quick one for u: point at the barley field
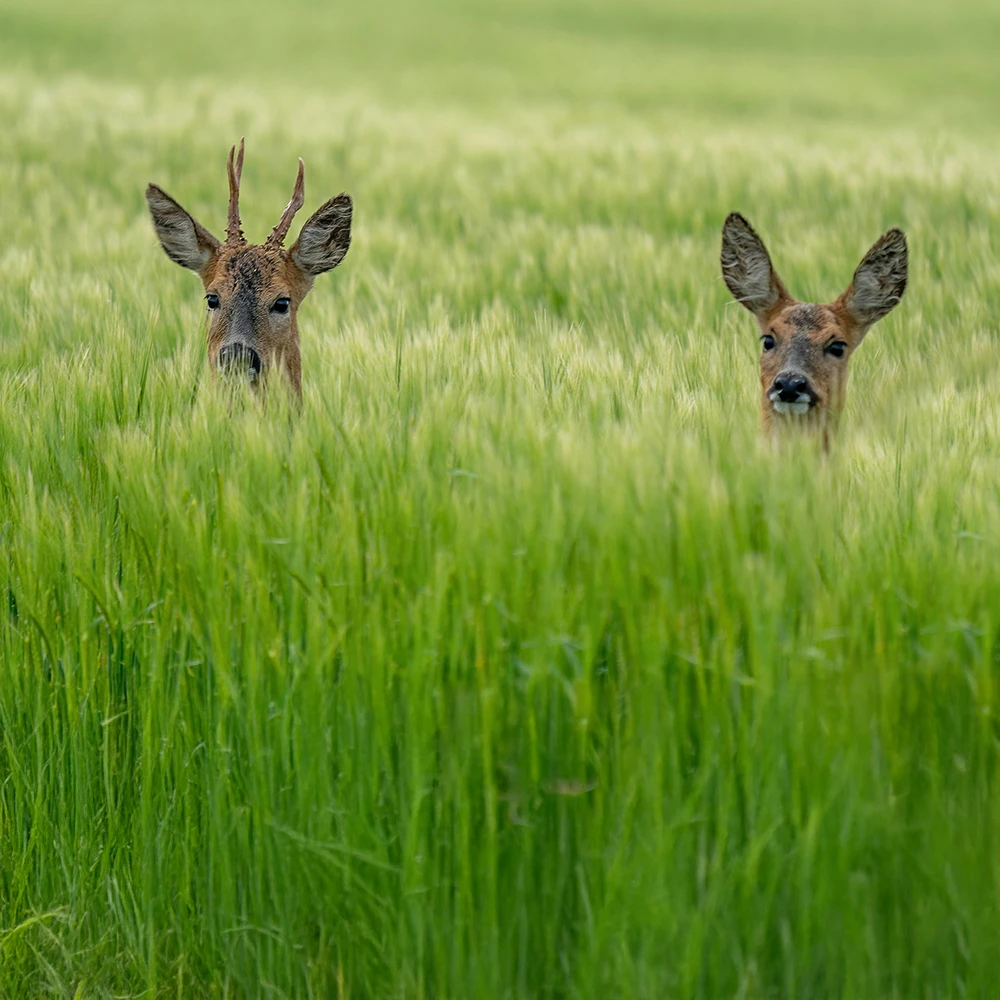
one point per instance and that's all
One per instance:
(514, 665)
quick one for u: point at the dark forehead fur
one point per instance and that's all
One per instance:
(805, 316)
(251, 268)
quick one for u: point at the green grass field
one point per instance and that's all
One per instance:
(515, 665)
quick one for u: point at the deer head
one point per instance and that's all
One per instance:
(253, 292)
(805, 348)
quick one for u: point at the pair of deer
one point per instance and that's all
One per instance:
(254, 292)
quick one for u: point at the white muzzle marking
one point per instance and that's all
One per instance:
(799, 407)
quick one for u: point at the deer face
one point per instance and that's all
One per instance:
(253, 292)
(805, 348)
(252, 297)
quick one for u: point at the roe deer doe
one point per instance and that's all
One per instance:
(254, 291)
(806, 347)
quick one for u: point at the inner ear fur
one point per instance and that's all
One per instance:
(325, 238)
(747, 268)
(184, 240)
(879, 282)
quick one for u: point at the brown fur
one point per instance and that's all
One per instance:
(248, 280)
(806, 337)
(251, 280)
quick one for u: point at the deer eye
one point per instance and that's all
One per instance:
(281, 305)
(768, 341)
(837, 349)
(213, 300)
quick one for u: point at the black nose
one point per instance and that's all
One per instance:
(239, 359)
(789, 386)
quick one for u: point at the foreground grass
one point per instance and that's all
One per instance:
(514, 665)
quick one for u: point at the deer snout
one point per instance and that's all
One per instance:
(788, 386)
(791, 393)
(240, 359)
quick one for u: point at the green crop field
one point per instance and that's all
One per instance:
(514, 665)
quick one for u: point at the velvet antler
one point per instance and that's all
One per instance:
(234, 231)
(280, 231)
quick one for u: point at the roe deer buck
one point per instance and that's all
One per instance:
(806, 347)
(254, 291)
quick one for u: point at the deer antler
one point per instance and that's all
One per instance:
(234, 231)
(280, 231)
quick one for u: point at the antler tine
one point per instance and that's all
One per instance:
(280, 231)
(234, 231)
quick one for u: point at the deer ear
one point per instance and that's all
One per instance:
(325, 237)
(879, 281)
(747, 268)
(184, 240)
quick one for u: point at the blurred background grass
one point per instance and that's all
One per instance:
(891, 61)
(514, 666)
